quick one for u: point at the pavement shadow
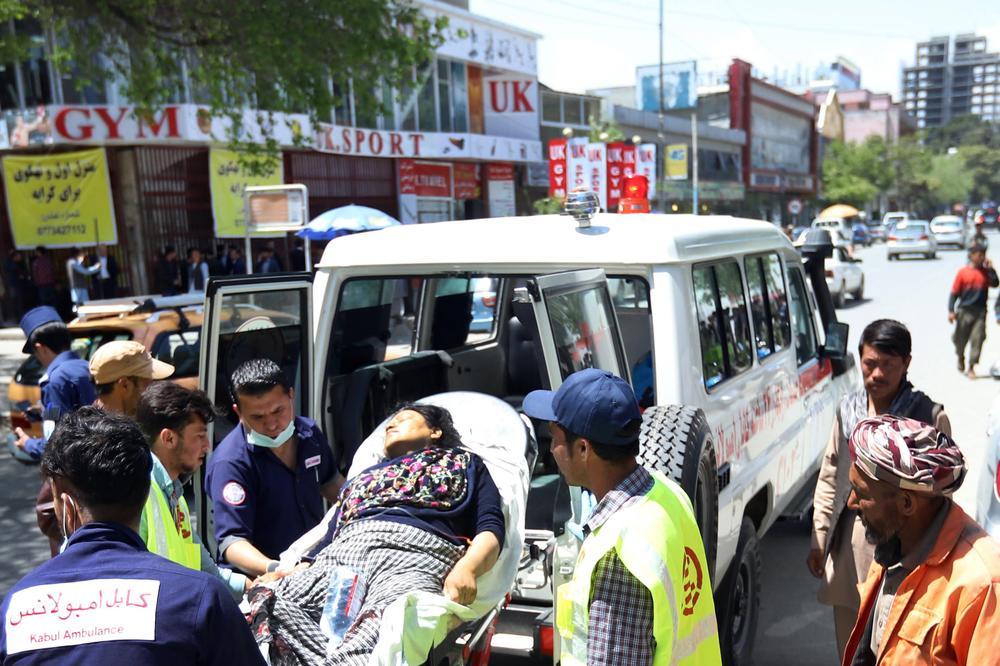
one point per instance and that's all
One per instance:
(26, 547)
(794, 628)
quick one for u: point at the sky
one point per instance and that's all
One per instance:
(598, 43)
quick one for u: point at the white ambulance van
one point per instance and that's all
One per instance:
(728, 336)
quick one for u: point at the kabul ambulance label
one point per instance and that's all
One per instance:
(92, 611)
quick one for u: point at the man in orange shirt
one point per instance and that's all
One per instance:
(933, 592)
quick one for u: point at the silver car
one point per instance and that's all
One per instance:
(950, 230)
(911, 237)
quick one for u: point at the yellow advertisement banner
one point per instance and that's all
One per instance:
(227, 180)
(61, 200)
(677, 161)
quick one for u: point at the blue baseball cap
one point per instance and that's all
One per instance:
(36, 317)
(591, 403)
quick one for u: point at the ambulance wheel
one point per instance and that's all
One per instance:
(677, 441)
(738, 601)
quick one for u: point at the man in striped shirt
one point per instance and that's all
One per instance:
(967, 307)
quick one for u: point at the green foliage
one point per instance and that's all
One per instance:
(848, 173)
(608, 127)
(950, 181)
(262, 54)
(983, 165)
(967, 130)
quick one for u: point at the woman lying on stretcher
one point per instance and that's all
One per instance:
(428, 519)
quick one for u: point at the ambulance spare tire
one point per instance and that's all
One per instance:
(677, 441)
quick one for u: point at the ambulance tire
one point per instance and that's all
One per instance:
(677, 441)
(738, 600)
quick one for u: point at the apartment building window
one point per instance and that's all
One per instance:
(435, 99)
(573, 111)
(452, 96)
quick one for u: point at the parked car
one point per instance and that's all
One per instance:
(844, 276)
(169, 327)
(877, 231)
(950, 230)
(741, 424)
(911, 237)
(860, 234)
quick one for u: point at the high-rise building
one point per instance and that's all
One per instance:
(952, 77)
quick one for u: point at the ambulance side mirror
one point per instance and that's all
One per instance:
(835, 346)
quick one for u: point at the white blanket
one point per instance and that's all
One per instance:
(415, 623)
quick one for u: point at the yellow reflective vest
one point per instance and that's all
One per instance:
(163, 534)
(657, 539)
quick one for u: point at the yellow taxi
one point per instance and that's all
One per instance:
(168, 326)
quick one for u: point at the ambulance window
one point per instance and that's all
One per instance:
(465, 311)
(374, 322)
(712, 364)
(768, 304)
(777, 300)
(805, 336)
(723, 322)
(735, 321)
(583, 330)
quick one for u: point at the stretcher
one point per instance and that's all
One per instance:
(422, 628)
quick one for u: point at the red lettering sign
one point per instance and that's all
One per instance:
(499, 171)
(86, 131)
(557, 168)
(425, 179)
(168, 117)
(628, 160)
(616, 164)
(468, 184)
(510, 97)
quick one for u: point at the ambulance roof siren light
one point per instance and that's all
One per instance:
(582, 205)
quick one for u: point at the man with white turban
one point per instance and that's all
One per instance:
(933, 592)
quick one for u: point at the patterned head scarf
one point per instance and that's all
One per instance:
(907, 454)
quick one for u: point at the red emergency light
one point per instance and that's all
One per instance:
(635, 195)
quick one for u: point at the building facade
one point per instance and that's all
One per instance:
(952, 77)
(868, 114)
(454, 145)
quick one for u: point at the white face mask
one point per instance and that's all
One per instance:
(258, 439)
(66, 500)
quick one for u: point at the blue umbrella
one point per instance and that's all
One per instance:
(346, 220)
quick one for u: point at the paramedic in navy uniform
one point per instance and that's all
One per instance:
(106, 599)
(269, 476)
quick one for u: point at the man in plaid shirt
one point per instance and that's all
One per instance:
(594, 420)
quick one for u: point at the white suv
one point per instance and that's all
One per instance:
(715, 319)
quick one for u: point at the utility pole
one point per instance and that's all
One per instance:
(694, 163)
(660, 168)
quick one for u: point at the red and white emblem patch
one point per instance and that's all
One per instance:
(234, 494)
(692, 581)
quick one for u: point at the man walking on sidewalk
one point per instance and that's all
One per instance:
(967, 307)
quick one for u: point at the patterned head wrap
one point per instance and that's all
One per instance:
(907, 454)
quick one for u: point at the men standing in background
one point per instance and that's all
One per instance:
(107, 278)
(77, 272)
(168, 273)
(43, 275)
(195, 272)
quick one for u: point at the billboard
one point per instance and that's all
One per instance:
(679, 86)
